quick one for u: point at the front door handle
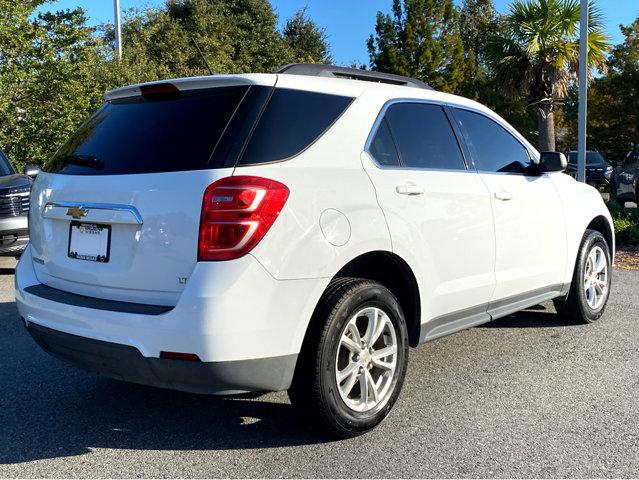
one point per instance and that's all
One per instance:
(503, 195)
(409, 189)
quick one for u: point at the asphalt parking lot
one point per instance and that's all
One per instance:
(526, 396)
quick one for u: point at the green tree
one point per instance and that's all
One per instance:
(478, 21)
(420, 39)
(613, 112)
(48, 78)
(305, 39)
(536, 54)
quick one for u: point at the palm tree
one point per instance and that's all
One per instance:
(536, 53)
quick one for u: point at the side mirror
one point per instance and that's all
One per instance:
(553, 162)
(31, 170)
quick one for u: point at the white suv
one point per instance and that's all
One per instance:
(298, 230)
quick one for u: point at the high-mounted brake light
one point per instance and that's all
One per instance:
(236, 214)
(159, 90)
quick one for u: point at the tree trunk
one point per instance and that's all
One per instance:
(546, 128)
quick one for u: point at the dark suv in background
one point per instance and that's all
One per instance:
(624, 183)
(15, 190)
(598, 170)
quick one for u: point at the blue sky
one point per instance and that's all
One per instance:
(348, 23)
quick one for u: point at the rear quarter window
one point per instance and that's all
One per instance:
(290, 123)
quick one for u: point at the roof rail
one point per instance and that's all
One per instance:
(322, 70)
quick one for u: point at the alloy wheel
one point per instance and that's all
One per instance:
(596, 279)
(366, 360)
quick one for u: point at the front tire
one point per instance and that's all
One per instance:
(354, 358)
(591, 283)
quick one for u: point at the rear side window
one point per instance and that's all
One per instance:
(383, 146)
(424, 136)
(150, 135)
(292, 120)
(495, 149)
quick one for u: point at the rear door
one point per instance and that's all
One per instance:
(116, 213)
(438, 211)
(530, 228)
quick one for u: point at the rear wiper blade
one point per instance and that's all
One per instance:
(90, 161)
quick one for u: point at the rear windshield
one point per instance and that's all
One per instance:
(140, 135)
(221, 127)
(592, 158)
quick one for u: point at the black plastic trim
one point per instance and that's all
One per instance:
(124, 362)
(323, 70)
(67, 298)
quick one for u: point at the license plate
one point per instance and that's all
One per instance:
(89, 241)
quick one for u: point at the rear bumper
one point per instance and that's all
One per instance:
(244, 325)
(14, 235)
(126, 363)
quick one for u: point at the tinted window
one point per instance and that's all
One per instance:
(292, 120)
(383, 146)
(496, 150)
(140, 135)
(5, 166)
(592, 157)
(424, 136)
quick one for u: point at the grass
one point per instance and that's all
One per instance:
(626, 222)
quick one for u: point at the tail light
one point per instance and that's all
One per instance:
(236, 214)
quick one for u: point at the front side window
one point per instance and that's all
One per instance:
(424, 136)
(495, 149)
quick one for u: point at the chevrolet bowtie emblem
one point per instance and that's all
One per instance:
(77, 212)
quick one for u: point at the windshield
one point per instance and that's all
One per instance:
(150, 135)
(5, 166)
(592, 158)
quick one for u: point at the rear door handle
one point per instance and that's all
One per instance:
(503, 195)
(409, 189)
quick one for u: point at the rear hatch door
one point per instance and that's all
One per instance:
(116, 213)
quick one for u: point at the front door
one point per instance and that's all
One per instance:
(531, 248)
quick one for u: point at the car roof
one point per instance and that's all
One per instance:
(334, 85)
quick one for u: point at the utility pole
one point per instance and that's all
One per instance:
(118, 30)
(583, 92)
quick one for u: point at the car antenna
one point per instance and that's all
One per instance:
(197, 46)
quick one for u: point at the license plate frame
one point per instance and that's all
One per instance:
(101, 255)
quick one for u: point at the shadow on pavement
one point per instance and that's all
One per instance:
(49, 409)
(535, 317)
(7, 271)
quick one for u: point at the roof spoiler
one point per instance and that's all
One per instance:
(322, 70)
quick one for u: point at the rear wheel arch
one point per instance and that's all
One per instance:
(394, 273)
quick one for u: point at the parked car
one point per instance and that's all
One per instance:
(14, 209)
(624, 184)
(598, 170)
(299, 231)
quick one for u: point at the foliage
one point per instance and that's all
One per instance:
(477, 22)
(54, 68)
(614, 99)
(421, 40)
(47, 78)
(536, 53)
(306, 40)
(626, 222)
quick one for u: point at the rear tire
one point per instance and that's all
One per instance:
(352, 365)
(591, 282)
